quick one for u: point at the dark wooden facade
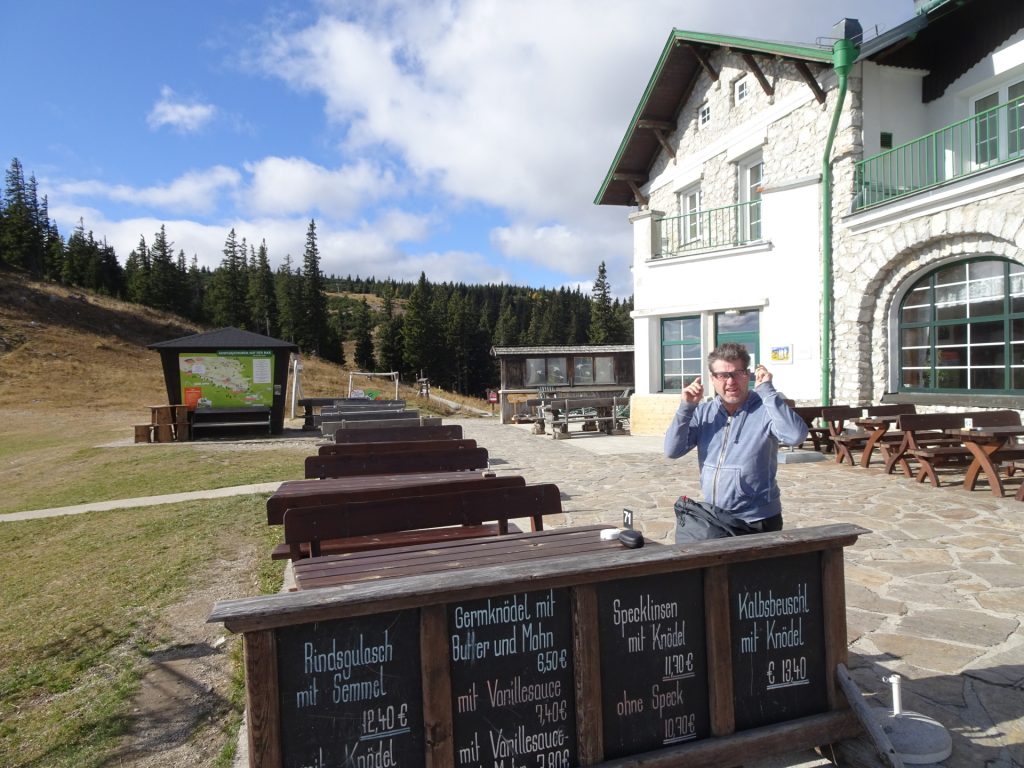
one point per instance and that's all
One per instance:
(561, 371)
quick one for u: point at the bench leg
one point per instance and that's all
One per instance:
(927, 470)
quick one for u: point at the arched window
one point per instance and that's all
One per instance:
(961, 329)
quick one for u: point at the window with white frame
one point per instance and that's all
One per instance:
(751, 173)
(999, 124)
(704, 115)
(961, 329)
(690, 229)
(680, 352)
(741, 90)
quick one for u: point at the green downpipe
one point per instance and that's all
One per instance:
(844, 54)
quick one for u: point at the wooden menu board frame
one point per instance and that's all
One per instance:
(258, 619)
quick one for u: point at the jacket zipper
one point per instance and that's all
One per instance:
(721, 458)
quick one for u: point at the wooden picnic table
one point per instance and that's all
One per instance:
(877, 427)
(988, 445)
(305, 493)
(419, 559)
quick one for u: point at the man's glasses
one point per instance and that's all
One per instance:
(727, 375)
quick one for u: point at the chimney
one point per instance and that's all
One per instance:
(848, 29)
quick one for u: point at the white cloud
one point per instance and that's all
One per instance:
(192, 192)
(291, 185)
(179, 114)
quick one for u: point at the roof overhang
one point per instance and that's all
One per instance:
(947, 39)
(686, 55)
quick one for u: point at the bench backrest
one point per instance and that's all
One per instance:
(891, 409)
(442, 460)
(808, 413)
(403, 446)
(404, 434)
(333, 427)
(312, 493)
(917, 422)
(367, 414)
(312, 525)
(579, 402)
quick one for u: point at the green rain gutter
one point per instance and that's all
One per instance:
(844, 54)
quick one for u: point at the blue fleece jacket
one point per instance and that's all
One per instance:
(738, 454)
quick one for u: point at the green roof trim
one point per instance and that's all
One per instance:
(745, 44)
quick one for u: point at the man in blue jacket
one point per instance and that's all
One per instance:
(737, 436)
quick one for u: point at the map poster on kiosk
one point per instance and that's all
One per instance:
(227, 378)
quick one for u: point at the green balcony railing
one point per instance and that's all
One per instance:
(986, 140)
(707, 229)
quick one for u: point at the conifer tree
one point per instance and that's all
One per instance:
(389, 335)
(163, 290)
(136, 273)
(314, 333)
(286, 286)
(363, 332)
(418, 331)
(262, 299)
(21, 240)
(602, 320)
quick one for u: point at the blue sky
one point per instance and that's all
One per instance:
(463, 138)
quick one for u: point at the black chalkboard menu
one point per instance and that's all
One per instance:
(777, 640)
(654, 683)
(350, 692)
(512, 681)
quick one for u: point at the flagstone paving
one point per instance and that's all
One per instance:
(935, 592)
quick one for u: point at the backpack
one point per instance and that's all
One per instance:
(699, 521)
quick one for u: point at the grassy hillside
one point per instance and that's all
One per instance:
(80, 678)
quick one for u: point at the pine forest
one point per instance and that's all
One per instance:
(444, 331)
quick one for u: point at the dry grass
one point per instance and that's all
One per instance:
(74, 377)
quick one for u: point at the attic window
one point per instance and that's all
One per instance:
(704, 114)
(742, 90)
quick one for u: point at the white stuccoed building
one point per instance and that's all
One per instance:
(912, 289)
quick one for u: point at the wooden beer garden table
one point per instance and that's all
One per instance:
(419, 559)
(988, 446)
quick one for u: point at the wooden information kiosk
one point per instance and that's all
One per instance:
(697, 655)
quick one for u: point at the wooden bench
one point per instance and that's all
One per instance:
(924, 431)
(305, 493)
(256, 417)
(817, 434)
(406, 520)
(330, 428)
(403, 434)
(403, 446)
(845, 440)
(312, 407)
(592, 412)
(944, 454)
(370, 463)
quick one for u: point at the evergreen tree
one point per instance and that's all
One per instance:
(262, 299)
(457, 336)
(418, 331)
(364, 337)
(286, 291)
(136, 273)
(506, 331)
(314, 333)
(196, 288)
(226, 297)
(21, 238)
(164, 289)
(602, 319)
(389, 335)
(76, 260)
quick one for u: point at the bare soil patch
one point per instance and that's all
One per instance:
(182, 710)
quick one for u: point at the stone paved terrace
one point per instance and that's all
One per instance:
(935, 593)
